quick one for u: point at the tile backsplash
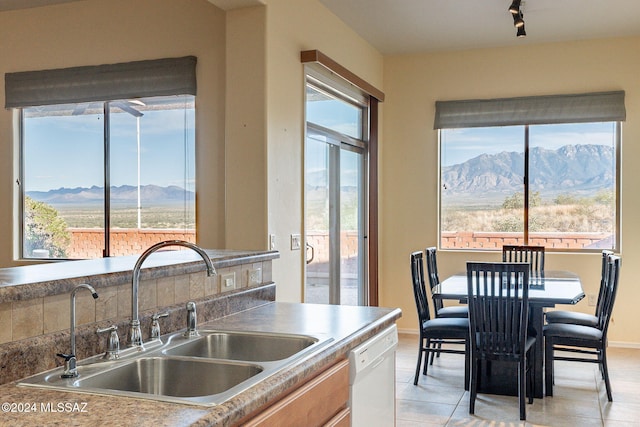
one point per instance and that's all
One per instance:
(39, 316)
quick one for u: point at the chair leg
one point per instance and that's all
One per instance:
(522, 381)
(530, 363)
(420, 352)
(436, 345)
(467, 365)
(548, 366)
(428, 353)
(473, 386)
(605, 371)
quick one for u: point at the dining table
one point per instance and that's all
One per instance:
(546, 289)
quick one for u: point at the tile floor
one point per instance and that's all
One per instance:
(579, 397)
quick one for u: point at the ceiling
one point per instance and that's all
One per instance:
(409, 26)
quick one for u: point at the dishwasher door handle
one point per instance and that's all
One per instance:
(377, 362)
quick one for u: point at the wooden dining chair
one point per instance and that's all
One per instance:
(456, 311)
(579, 318)
(432, 273)
(534, 255)
(589, 341)
(498, 316)
(435, 331)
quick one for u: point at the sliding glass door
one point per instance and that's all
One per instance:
(335, 236)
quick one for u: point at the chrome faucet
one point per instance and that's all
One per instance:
(70, 370)
(135, 334)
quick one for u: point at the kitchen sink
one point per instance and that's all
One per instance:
(172, 377)
(205, 370)
(247, 346)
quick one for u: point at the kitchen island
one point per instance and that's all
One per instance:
(347, 326)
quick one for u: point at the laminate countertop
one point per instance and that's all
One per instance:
(40, 280)
(347, 326)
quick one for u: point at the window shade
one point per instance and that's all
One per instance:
(552, 109)
(168, 76)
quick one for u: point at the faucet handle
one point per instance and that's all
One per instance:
(70, 370)
(113, 343)
(155, 325)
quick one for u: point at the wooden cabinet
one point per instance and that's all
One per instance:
(320, 402)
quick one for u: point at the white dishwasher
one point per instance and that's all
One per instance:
(372, 380)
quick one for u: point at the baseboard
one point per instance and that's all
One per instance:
(624, 344)
(408, 331)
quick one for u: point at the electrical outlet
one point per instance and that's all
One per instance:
(255, 276)
(591, 300)
(295, 242)
(228, 281)
(272, 242)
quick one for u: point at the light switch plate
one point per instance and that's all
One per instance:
(295, 242)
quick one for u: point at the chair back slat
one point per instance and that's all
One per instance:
(498, 308)
(534, 255)
(603, 281)
(609, 297)
(419, 290)
(432, 275)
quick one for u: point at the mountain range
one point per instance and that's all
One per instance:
(121, 194)
(583, 168)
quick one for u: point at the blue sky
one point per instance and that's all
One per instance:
(67, 151)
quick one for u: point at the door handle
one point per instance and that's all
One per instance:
(313, 253)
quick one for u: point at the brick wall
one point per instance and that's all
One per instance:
(88, 242)
(492, 240)
(470, 240)
(320, 242)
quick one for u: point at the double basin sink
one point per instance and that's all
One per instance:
(206, 370)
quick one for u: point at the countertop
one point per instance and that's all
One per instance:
(40, 280)
(348, 326)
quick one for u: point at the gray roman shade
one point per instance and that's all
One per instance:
(158, 77)
(552, 109)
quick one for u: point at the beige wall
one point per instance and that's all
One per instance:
(95, 32)
(246, 128)
(294, 26)
(413, 83)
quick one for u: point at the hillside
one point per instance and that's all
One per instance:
(121, 194)
(582, 168)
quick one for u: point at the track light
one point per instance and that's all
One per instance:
(515, 7)
(518, 19)
(521, 32)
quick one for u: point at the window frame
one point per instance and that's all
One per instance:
(107, 110)
(526, 191)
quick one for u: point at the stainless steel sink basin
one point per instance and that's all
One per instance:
(205, 370)
(247, 346)
(172, 377)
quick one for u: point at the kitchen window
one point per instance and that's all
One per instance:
(549, 177)
(107, 176)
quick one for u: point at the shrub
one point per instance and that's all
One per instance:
(44, 229)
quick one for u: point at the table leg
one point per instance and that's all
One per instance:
(536, 322)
